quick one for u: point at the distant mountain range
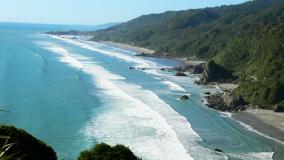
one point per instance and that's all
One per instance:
(247, 38)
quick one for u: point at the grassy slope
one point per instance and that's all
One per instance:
(247, 38)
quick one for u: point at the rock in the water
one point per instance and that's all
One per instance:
(167, 69)
(219, 150)
(184, 97)
(141, 54)
(131, 68)
(207, 93)
(180, 73)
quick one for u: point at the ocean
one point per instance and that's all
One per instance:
(73, 94)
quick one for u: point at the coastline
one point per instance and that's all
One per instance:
(151, 53)
(267, 122)
(262, 121)
(129, 47)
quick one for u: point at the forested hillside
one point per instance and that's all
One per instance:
(246, 38)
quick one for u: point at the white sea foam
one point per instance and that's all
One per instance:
(174, 86)
(65, 56)
(132, 122)
(94, 46)
(226, 114)
(218, 88)
(253, 156)
(129, 120)
(138, 118)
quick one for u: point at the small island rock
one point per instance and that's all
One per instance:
(180, 73)
(184, 97)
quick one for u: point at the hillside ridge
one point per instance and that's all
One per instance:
(247, 38)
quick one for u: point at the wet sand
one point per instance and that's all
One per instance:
(264, 121)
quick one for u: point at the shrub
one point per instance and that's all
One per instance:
(105, 152)
(23, 145)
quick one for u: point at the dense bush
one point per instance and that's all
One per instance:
(279, 107)
(105, 152)
(246, 38)
(23, 145)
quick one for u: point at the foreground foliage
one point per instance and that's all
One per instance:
(18, 144)
(105, 152)
(246, 38)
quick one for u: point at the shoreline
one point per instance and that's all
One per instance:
(267, 122)
(259, 121)
(151, 53)
(129, 47)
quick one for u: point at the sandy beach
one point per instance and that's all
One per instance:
(186, 61)
(267, 122)
(129, 47)
(264, 121)
(191, 61)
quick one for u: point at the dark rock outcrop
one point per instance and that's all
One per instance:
(179, 69)
(184, 97)
(219, 150)
(215, 73)
(207, 93)
(194, 69)
(180, 74)
(226, 101)
(167, 69)
(142, 54)
(197, 69)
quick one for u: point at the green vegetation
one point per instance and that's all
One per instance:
(279, 107)
(105, 152)
(4, 148)
(247, 39)
(18, 144)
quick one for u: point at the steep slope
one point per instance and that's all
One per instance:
(246, 38)
(18, 144)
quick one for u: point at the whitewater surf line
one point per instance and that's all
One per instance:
(105, 127)
(193, 148)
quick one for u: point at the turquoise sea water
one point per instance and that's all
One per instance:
(73, 94)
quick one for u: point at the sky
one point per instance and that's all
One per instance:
(94, 12)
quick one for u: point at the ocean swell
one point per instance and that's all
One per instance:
(127, 120)
(137, 117)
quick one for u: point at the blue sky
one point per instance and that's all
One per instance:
(93, 12)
